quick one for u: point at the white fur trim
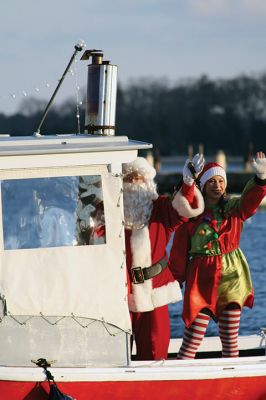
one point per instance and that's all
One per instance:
(143, 297)
(182, 206)
(214, 171)
(140, 247)
(170, 293)
(140, 299)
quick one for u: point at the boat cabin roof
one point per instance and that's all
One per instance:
(73, 143)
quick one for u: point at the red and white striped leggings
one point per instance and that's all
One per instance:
(228, 330)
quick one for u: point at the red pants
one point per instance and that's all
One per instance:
(152, 333)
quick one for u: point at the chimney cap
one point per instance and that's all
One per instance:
(93, 52)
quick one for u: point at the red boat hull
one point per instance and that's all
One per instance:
(248, 388)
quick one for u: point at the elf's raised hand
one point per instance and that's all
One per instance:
(259, 165)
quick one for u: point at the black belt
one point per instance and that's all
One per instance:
(139, 275)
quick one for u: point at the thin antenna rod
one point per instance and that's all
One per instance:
(78, 47)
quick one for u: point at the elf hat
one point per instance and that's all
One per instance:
(141, 166)
(209, 171)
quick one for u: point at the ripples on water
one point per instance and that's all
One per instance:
(253, 244)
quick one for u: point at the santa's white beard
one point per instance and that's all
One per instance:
(138, 203)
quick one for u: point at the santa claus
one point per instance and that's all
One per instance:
(149, 221)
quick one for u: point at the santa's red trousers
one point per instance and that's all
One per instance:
(152, 333)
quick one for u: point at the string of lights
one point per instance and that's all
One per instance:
(44, 88)
(41, 89)
(77, 88)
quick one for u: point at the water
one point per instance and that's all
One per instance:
(253, 244)
(170, 165)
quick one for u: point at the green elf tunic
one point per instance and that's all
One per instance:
(206, 255)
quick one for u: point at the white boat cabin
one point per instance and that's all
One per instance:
(63, 286)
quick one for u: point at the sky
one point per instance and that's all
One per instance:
(167, 40)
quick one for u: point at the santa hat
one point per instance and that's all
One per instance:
(141, 166)
(210, 170)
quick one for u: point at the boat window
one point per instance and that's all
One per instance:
(53, 212)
